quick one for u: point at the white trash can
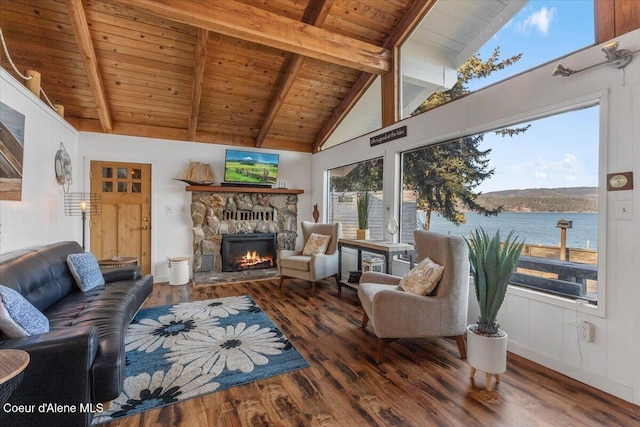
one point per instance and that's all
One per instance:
(178, 270)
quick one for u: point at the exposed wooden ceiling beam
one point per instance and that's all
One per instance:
(132, 129)
(198, 81)
(357, 90)
(250, 23)
(315, 14)
(162, 132)
(391, 96)
(409, 22)
(401, 32)
(78, 21)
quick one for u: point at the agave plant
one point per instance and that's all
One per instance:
(492, 265)
(363, 204)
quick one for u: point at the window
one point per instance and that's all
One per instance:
(540, 32)
(539, 179)
(124, 177)
(346, 185)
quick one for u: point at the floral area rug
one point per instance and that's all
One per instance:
(177, 352)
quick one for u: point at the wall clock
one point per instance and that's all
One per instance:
(63, 168)
(620, 181)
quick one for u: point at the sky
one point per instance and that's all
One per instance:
(559, 151)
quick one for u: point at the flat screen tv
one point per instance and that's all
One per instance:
(250, 167)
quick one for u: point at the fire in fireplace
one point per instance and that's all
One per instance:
(248, 251)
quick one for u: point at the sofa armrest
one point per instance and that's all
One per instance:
(58, 372)
(381, 278)
(117, 274)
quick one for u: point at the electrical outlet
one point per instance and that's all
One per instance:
(586, 331)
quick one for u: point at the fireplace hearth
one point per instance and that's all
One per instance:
(248, 251)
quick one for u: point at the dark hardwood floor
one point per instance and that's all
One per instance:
(421, 382)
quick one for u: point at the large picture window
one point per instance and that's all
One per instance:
(539, 179)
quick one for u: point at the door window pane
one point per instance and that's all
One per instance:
(122, 187)
(107, 173)
(136, 174)
(107, 187)
(136, 187)
(122, 173)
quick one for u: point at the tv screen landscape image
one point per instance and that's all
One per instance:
(250, 167)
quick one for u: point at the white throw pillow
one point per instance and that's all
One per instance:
(423, 278)
(18, 317)
(316, 245)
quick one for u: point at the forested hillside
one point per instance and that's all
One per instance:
(572, 199)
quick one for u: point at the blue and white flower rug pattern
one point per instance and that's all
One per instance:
(176, 352)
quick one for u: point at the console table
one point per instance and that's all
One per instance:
(387, 249)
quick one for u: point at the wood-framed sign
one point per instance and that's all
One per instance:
(620, 181)
(389, 135)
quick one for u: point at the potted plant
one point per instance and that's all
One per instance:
(492, 265)
(363, 204)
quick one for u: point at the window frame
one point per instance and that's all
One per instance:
(599, 98)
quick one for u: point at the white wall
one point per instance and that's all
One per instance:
(540, 327)
(171, 232)
(39, 217)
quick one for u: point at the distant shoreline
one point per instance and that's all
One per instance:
(550, 200)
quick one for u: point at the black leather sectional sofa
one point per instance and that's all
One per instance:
(81, 360)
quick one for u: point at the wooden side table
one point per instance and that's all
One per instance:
(118, 262)
(387, 249)
(12, 365)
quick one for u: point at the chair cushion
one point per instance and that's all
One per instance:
(316, 245)
(296, 262)
(85, 270)
(423, 278)
(18, 317)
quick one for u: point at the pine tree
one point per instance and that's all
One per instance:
(444, 177)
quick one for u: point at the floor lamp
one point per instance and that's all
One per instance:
(82, 204)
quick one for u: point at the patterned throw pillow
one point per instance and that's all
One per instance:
(85, 269)
(423, 278)
(316, 245)
(18, 317)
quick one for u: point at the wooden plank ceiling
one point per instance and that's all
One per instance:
(276, 74)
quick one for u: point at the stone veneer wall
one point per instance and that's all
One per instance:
(215, 214)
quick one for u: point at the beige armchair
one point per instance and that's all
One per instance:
(294, 264)
(394, 313)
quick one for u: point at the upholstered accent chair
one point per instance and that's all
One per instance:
(312, 267)
(395, 313)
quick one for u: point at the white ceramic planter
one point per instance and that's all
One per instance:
(487, 354)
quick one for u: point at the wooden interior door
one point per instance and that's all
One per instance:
(124, 227)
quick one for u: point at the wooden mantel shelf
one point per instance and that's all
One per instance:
(212, 189)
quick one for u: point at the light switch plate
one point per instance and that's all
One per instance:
(624, 210)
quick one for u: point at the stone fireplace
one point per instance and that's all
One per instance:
(225, 211)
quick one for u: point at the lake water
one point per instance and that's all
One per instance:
(538, 228)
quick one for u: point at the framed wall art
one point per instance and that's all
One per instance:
(11, 152)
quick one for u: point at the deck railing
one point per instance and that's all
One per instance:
(565, 278)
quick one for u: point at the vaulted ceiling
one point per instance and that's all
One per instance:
(278, 74)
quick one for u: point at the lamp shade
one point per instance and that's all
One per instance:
(75, 204)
